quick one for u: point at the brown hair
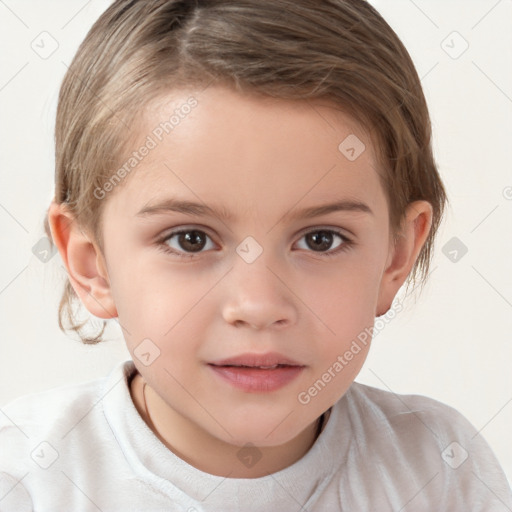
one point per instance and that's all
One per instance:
(339, 50)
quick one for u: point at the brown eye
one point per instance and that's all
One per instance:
(324, 241)
(192, 240)
(187, 242)
(319, 240)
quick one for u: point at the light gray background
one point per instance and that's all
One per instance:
(454, 343)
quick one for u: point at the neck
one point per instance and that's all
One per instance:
(208, 453)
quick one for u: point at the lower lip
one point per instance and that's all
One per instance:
(257, 380)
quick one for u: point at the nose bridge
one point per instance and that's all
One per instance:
(252, 269)
(255, 294)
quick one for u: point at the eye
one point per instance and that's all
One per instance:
(327, 242)
(186, 242)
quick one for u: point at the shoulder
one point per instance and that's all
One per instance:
(414, 423)
(34, 414)
(407, 411)
(414, 441)
(38, 427)
(55, 409)
(48, 407)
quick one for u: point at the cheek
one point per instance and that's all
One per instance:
(345, 300)
(345, 296)
(343, 342)
(158, 301)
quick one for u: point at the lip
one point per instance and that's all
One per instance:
(257, 373)
(255, 359)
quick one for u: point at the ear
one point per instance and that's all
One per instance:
(404, 251)
(84, 262)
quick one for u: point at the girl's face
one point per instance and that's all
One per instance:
(253, 234)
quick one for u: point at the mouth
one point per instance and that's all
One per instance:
(252, 360)
(257, 373)
(260, 367)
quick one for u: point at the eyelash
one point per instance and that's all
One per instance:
(345, 245)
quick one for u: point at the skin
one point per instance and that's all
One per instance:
(262, 160)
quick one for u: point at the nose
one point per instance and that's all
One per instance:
(258, 297)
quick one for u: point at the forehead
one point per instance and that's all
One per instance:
(248, 153)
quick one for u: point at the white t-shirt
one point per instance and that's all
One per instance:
(85, 448)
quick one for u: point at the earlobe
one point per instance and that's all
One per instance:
(84, 262)
(404, 251)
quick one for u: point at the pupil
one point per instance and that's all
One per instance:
(192, 240)
(322, 240)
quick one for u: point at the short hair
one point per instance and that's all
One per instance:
(339, 50)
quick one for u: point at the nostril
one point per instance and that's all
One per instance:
(276, 323)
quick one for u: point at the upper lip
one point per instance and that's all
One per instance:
(256, 360)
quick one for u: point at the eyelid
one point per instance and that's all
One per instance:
(346, 234)
(304, 231)
(183, 227)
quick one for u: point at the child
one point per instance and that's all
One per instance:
(244, 185)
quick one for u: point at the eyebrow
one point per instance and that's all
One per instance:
(199, 209)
